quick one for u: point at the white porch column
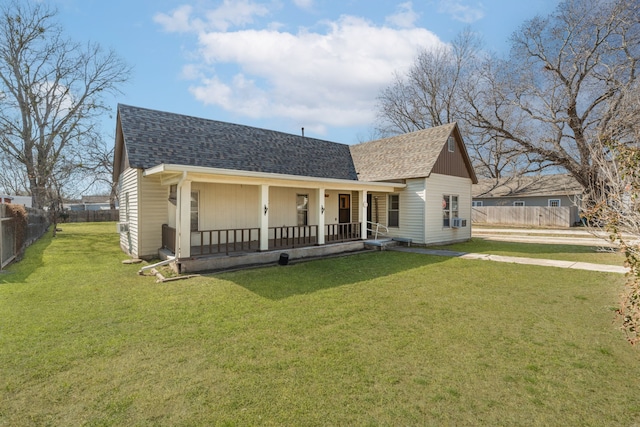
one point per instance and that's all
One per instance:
(263, 206)
(183, 220)
(363, 214)
(321, 208)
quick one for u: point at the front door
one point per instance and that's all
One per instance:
(344, 209)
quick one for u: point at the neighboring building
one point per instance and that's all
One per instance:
(90, 203)
(16, 200)
(200, 187)
(556, 190)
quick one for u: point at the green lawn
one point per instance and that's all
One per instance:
(380, 338)
(532, 250)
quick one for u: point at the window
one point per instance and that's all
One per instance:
(477, 203)
(451, 144)
(449, 209)
(394, 211)
(518, 203)
(554, 203)
(302, 206)
(173, 194)
(194, 210)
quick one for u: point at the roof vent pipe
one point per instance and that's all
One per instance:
(303, 132)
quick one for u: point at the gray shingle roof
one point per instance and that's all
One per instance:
(154, 137)
(410, 155)
(528, 186)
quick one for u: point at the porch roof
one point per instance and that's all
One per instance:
(171, 174)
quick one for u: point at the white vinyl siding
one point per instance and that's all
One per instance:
(153, 213)
(128, 182)
(227, 206)
(412, 204)
(436, 186)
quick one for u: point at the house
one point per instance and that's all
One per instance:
(200, 190)
(554, 190)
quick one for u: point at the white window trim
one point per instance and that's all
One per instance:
(477, 203)
(553, 200)
(299, 210)
(451, 144)
(451, 216)
(394, 210)
(519, 203)
(197, 194)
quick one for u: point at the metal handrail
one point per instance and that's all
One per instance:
(377, 229)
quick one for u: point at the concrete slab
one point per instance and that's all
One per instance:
(518, 260)
(438, 252)
(600, 267)
(531, 261)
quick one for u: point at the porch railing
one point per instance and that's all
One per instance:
(169, 238)
(293, 236)
(342, 232)
(210, 242)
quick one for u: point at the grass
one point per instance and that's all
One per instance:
(381, 338)
(577, 253)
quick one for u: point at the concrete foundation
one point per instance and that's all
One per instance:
(222, 262)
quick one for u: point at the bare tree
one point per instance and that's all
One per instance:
(562, 84)
(617, 210)
(428, 95)
(432, 93)
(13, 179)
(51, 94)
(100, 168)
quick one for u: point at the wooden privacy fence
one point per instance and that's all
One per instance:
(533, 216)
(90, 216)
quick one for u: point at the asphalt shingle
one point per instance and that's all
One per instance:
(410, 155)
(154, 137)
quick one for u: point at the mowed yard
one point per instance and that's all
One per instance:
(381, 338)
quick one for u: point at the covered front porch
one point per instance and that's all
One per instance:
(252, 217)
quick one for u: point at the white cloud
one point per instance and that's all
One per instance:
(326, 77)
(405, 17)
(460, 11)
(177, 22)
(231, 13)
(303, 4)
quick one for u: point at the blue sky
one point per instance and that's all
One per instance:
(280, 64)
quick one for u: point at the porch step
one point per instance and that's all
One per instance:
(403, 240)
(379, 244)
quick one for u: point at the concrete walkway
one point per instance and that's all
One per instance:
(516, 260)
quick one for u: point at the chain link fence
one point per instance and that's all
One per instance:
(19, 228)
